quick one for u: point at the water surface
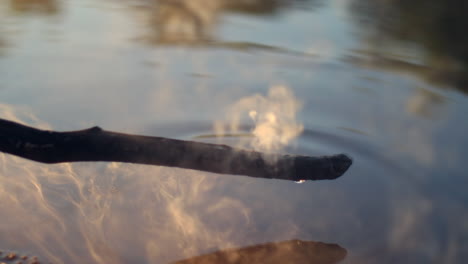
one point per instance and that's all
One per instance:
(383, 81)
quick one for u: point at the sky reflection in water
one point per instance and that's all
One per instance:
(384, 81)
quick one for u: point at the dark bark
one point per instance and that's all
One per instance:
(95, 144)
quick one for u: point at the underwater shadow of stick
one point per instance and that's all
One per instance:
(285, 252)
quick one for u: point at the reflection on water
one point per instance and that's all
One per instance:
(184, 21)
(375, 89)
(195, 22)
(106, 208)
(123, 213)
(42, 7)
(2, 45)
(294, 251)
(423, 102)
(436, 27)
(192, 21)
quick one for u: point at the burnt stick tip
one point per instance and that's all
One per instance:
(321, 168)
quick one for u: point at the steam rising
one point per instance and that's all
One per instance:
(274, 117)
(110, 212)
(125, 213)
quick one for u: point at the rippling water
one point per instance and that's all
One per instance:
(383, 81)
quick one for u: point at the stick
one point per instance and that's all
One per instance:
(291, 251)
(95, 144)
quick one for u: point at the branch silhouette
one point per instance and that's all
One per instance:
(96, 144)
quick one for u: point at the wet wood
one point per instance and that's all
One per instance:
(96, 144)
(286, 252)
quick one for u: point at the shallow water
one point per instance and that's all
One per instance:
(382, 81)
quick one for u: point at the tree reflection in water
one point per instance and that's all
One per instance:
(191, 22)
(24, 8)
(43, 7)
(436, 27)
(2, 43)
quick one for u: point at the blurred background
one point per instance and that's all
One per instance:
(384, 81)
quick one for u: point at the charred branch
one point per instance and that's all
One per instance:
(96, 144)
